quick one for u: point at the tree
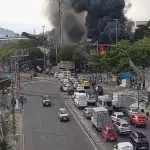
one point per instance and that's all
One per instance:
(142, 31)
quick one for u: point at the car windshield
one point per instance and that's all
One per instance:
(125, 125)
(134, 110)
(45, 97)
(120, 116)
(63, 111)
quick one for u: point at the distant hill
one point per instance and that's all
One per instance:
(4, 33)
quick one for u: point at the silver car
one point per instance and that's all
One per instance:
(63, 114)
(132, 111)
(116, 116)
(122, 127)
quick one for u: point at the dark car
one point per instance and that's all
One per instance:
(46, 100)
(99, 90)
(70, 91)
(139, 141)
(88, 113)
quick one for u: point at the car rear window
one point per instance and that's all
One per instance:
(141, 118)
(120, 116)
(125, 125)
(63, 111)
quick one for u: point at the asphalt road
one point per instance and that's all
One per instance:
(41, 128)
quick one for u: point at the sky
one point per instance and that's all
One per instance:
(28, 15)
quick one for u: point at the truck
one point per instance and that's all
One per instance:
(100, 117)
(119, 101)
(106, 101)
(67, 65)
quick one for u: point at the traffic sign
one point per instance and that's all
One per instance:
(125, 75)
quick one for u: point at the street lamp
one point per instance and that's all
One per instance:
(116, 20)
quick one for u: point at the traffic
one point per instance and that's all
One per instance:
(108, 114)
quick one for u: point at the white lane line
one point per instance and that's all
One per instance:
(23, 140)
(81, 126)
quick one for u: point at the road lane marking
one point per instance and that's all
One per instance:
(81, 126)
(23, 140)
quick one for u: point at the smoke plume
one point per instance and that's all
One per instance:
(97, 15)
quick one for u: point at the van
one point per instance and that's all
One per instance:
(80, 100)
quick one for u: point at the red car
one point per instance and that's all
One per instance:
(109, 133)
(138, 120)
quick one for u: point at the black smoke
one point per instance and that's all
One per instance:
(100, 19)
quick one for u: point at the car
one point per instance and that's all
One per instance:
(76, 84)
(86, 84)
(117, 116)
(138, 120)
(123, 146)
(91, 98)
(63, 114)
(56, 74)
(122, 127)
(80, 87)
(70, 90)
(99, 90)
(132, 111)
(109, 133)
(139, 141)
(88, 113)
(66, 87)
(64, 80)
(46, 100)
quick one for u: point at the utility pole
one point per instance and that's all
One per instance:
(60, 21)
(44, 50)
(15, 82)
(116, 20)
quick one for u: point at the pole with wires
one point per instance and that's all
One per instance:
(44, 50)
(116, 20)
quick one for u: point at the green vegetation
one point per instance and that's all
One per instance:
(117, 57)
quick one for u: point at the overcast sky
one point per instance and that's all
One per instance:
(27, 15)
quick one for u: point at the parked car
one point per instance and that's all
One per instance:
(76, 84)
(109, 133)
(139, 141)
(138, 120)
(132, 111)
(117, 116)
(63, 114)
(123, 146)
(88, 113)
(122, 127)
(46, 100)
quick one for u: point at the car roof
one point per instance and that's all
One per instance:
(61, 109)
(139, 115)
(118, 113)
(122, 121)
(124, 144)
(46, 95)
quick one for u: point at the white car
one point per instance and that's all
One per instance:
(80, 87)
(116, 116)
(122, 127)
(65, 80)
(75, 84)
(63, 114)
(132, 111)
(56, 74)
(123, 146)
